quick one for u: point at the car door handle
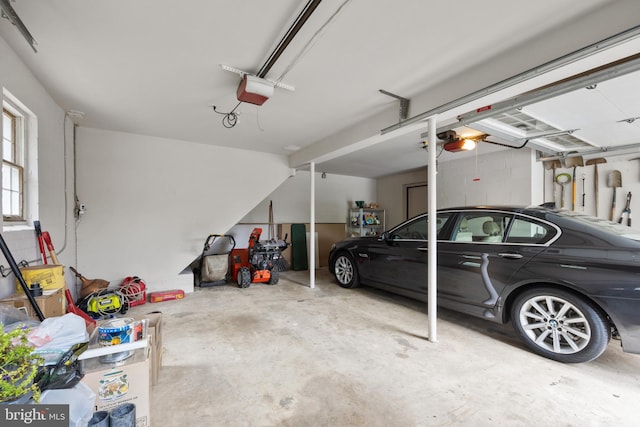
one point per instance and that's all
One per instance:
(423, 249)
(509, 255)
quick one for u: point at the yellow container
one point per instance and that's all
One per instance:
(49, 276)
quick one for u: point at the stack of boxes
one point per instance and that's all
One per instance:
(125, 381)
(113, 381)
(52, 302)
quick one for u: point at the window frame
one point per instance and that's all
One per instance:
(17, 161)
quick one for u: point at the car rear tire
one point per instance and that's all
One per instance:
(345, 271)
(560, 325)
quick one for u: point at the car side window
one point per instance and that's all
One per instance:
(441, 221)
(418, 228)
(481, 226)
(528, 231)
(414, 230)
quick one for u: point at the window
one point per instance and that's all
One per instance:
(417, 229)
(19, 162)
(529, 232)
(481, 226)
(13, 137)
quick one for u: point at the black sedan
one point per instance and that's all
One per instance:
(568, 282)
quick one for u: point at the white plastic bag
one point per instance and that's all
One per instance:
(59, 333)
(80, 398)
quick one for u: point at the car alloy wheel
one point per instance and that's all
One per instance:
(560, 325)
(345, 271)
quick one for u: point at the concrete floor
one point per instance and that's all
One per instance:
(288, 355)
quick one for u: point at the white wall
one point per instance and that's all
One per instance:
(515, 177)
(505, 178)
(334, 195)
(55, 215)
(630, 171)
(151, 202)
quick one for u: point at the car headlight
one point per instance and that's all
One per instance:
(333, 246)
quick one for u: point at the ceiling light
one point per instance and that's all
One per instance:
(459, 145)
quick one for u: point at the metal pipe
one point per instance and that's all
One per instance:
(521, 77)
(610, 151)
(16, 271)
(312, 227)
(290, 34)
(9, 13)
(432, 248)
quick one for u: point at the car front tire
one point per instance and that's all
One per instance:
(560, 325)
(345, 271)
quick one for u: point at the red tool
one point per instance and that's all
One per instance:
(47, 240)
(135, 290)
(72, 308)
(160, 296)
(36, 225)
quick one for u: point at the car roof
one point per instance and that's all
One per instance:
(538, 211)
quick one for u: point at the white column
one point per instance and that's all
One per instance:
(432, 254)
(312, 227)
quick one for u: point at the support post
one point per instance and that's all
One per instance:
(432, 254)
(312, 227)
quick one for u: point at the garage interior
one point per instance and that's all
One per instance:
(138, 149)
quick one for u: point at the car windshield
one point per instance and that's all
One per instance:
(603, 224)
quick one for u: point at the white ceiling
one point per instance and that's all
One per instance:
(153, 67)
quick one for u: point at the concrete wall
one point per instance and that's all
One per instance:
(151, 202)
(505, 177)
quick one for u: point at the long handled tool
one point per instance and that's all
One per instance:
(36, 226)
(626, 210)
(18, 274)
(595, 163)
(552, 165)
(574, 162)
(52, 253)
(583, 193)
(614, 180)
(562, 179)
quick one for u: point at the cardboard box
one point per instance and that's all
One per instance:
(154, 330)
(49, 276)
(121, 382)
(52, 303)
